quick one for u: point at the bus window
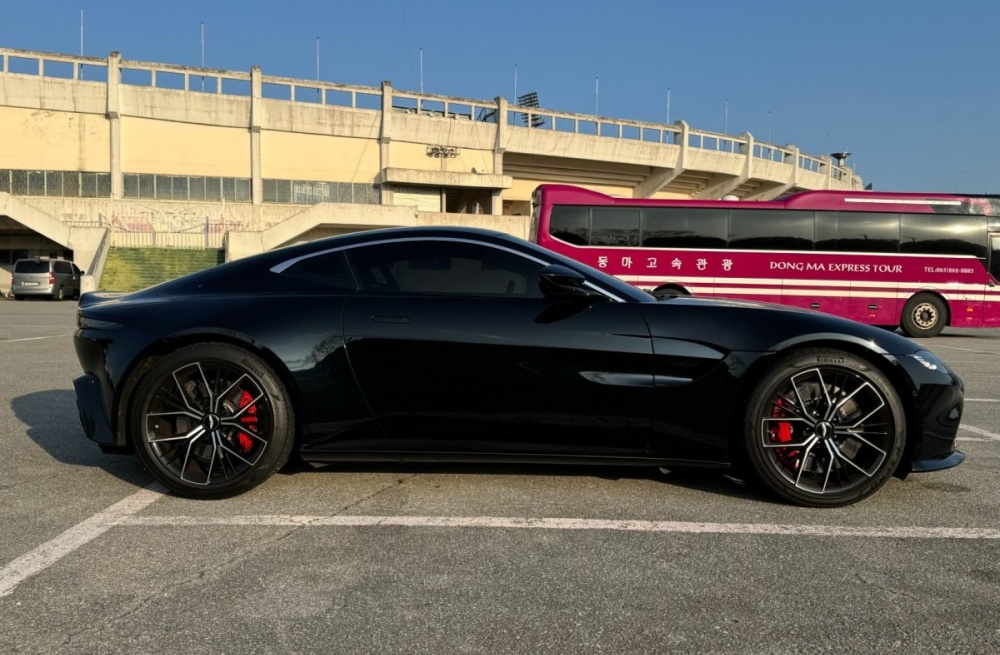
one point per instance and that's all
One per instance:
(857, 232)
(614, 226)
(751, 229)
(935, 234)
(570, 223)
(683, 227)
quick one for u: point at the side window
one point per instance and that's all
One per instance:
(753, 229)
(995, 256)
(681, 227)
(570, 223)
(936, 234)
(614, 226)
(857, 232)
(63, 268)
(330, 269)
(445, 267)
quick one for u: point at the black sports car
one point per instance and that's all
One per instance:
(452, 344)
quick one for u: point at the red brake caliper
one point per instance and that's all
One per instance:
(782, 433)
(249, 421)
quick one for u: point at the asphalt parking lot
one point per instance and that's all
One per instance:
(477, 559)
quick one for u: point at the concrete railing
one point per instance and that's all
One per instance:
(316, 92)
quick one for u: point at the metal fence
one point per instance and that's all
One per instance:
(190, 240)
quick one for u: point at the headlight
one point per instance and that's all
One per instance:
(930, 361)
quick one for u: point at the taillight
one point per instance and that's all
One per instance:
(52, 277)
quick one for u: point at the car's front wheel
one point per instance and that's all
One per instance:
(212, 420)
(824, 428)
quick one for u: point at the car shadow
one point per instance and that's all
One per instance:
(720, 483)
(53, 424)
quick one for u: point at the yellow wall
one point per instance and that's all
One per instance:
(414, 156)
(523, 189)
(168, 148)
(313, 157)
(53, 140)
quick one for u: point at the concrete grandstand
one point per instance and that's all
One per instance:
(101, 153)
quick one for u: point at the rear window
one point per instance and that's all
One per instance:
(31, 266)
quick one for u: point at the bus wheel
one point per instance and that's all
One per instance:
(669, 291)
(925, 315)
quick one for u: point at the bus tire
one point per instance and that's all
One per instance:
(669, 291)
(924, 315)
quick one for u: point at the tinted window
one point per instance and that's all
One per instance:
(681, 227)
(330, 269)
(766, 230)
(932, 234)
(570, 224)
(63, 268)
(445, 267)
(29, 266)
(857, 232)
(614, 226)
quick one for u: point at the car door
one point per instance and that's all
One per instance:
(457, 351)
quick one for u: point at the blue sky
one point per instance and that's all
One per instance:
(909, 87)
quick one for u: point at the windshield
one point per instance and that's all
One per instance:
(31, 266)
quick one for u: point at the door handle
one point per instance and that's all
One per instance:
(390, 319)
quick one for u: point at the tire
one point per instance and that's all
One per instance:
(61, 294)
(924, 315)
(824, 428)
(668, 291)
(212, 420)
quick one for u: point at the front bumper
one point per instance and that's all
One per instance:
(90, 404)
(938, 398)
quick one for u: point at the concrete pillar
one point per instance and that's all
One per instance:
(685, 143)
(499, 148)
(793, 178)
(747, 148)
(256, 108)
(385, 139)
(114, 122)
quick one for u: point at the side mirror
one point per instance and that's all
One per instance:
(562, 283)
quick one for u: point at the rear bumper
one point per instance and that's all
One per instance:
(40, 290)
(90, 404)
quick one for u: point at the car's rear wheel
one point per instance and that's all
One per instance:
(212, 420)
(61, 294)
(824, 428)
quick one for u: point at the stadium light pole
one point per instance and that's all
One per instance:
(421, 70)
(668, 105)
(725, 125)
(769, 127)
(515, 84)
(81, 32)
(203, 55)
(597, 96)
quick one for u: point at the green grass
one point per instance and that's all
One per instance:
(131, 269)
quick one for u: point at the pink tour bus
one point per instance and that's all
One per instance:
(913, 260)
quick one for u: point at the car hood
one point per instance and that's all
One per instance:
(762, 327)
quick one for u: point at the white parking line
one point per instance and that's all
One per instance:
(681, 527)
(985, 433)
(57, 336)
(982, 400)
(52, 551)
(969, 350)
